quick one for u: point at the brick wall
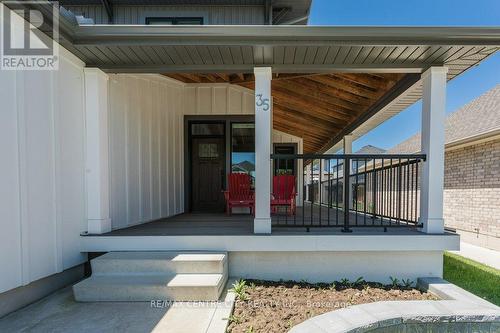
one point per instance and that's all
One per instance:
(472, 193)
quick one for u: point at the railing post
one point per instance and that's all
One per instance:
(347, 146)
(374, 191)
(347, 176)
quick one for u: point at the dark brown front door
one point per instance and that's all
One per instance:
(207, 158)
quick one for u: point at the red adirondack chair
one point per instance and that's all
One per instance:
(239, 193)
(283, 193)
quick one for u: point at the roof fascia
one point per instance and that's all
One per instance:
(284, 35)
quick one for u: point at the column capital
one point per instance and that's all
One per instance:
(95, 71)
(434, 70)
(263, 72)
(347, 143)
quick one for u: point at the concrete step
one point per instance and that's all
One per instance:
(179, 287)
(147, 276)
(116, 263)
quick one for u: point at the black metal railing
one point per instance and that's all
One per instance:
(381, 191)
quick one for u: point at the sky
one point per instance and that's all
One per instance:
(461, 90)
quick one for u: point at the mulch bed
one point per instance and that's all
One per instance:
(278, 306)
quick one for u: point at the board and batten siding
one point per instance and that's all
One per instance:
(212, 15)
(218, 99)
(146, 143)
(42, 196)
(147, 140)
(42, 132)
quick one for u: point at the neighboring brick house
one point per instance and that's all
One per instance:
(472, 169)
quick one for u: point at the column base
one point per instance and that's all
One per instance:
(262, 225)
(432, 225)
(100, 226)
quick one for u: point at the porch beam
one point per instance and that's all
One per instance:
(432, 143)
(247, 68)
(210, 78)
(344, 86)
(367, 80)
(305, 119)
(263, 142)
(97, 151)
(333, 91)
(301, 100)
(404, 84)
(319, 98)
(276, 77)
(224, 77)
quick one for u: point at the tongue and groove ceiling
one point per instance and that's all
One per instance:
(316, 107)
(320, 107)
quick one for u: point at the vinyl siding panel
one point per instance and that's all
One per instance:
(217, 99)
(147, 140)
(213, 15)
(42, 172)
(146, 147)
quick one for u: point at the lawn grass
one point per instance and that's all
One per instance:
(479, 279)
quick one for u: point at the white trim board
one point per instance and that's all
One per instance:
(283, 243)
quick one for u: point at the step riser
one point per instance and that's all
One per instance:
(149, 276)
(118, 266)
(138, 293)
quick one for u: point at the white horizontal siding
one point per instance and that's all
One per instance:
(213, 15)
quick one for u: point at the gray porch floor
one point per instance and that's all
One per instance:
(242, 224)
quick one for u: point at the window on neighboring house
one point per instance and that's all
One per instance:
(174, 20)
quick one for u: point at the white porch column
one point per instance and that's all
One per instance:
(308, 182)
(97, 151)
(347, 147)
(263, 142)
(432, 143)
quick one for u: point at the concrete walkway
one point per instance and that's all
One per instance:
(479, 254)
(59, 312)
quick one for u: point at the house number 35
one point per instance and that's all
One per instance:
(262, 102)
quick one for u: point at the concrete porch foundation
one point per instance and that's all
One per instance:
(334, 266)
(321, 255)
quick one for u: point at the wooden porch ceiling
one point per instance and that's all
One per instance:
(316, 107)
